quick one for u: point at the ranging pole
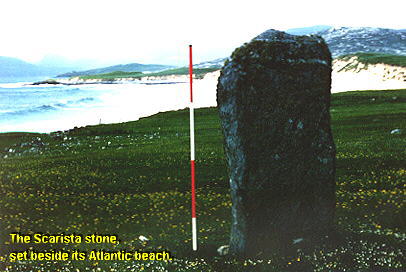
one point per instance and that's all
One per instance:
(192, 152)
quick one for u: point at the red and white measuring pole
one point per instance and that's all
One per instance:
(192, 152)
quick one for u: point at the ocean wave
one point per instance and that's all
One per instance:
(29, 91)
(47, 107)
(85, 99)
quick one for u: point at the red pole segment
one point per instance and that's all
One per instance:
(192, 170)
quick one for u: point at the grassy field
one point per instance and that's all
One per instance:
(113, 75)
(375, 58)
(198, 72)
(132, 179)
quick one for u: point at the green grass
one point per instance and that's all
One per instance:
(198, 72)
(184, 71)
(375, 58)
(132, 179)
(114, 75)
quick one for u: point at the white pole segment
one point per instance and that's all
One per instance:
(194, 233)
(192, 132)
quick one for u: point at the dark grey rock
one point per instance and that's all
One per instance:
(48, 81)
(273, 97)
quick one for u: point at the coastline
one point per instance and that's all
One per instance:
(166, 79)
(79, 103)
(349, 75)
(128, 99)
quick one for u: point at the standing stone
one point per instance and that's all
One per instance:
(273, 97)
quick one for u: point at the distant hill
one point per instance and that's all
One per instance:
(217, 63)
(132, 67)
(351, 40)
(343, 41)
(12, 67)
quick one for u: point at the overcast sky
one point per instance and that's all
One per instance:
(153, 31)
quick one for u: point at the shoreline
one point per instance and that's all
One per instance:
(358, 77)
(112, 103)
(94, 124)
(142, 97)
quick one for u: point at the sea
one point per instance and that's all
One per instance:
(46, 108)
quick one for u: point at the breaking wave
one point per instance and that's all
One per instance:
(47, 107)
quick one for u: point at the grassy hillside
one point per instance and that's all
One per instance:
(128, 68)
(198, 72)
(132, 179)
(114, 75)
(184, 71)
(367, 58)
(375, 58)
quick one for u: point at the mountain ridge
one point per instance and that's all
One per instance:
(10, 67)
(351, 40)
(15, 67)
(130, 67)
(344, 41)
(341, 41)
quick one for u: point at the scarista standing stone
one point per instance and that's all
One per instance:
(273, 97)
